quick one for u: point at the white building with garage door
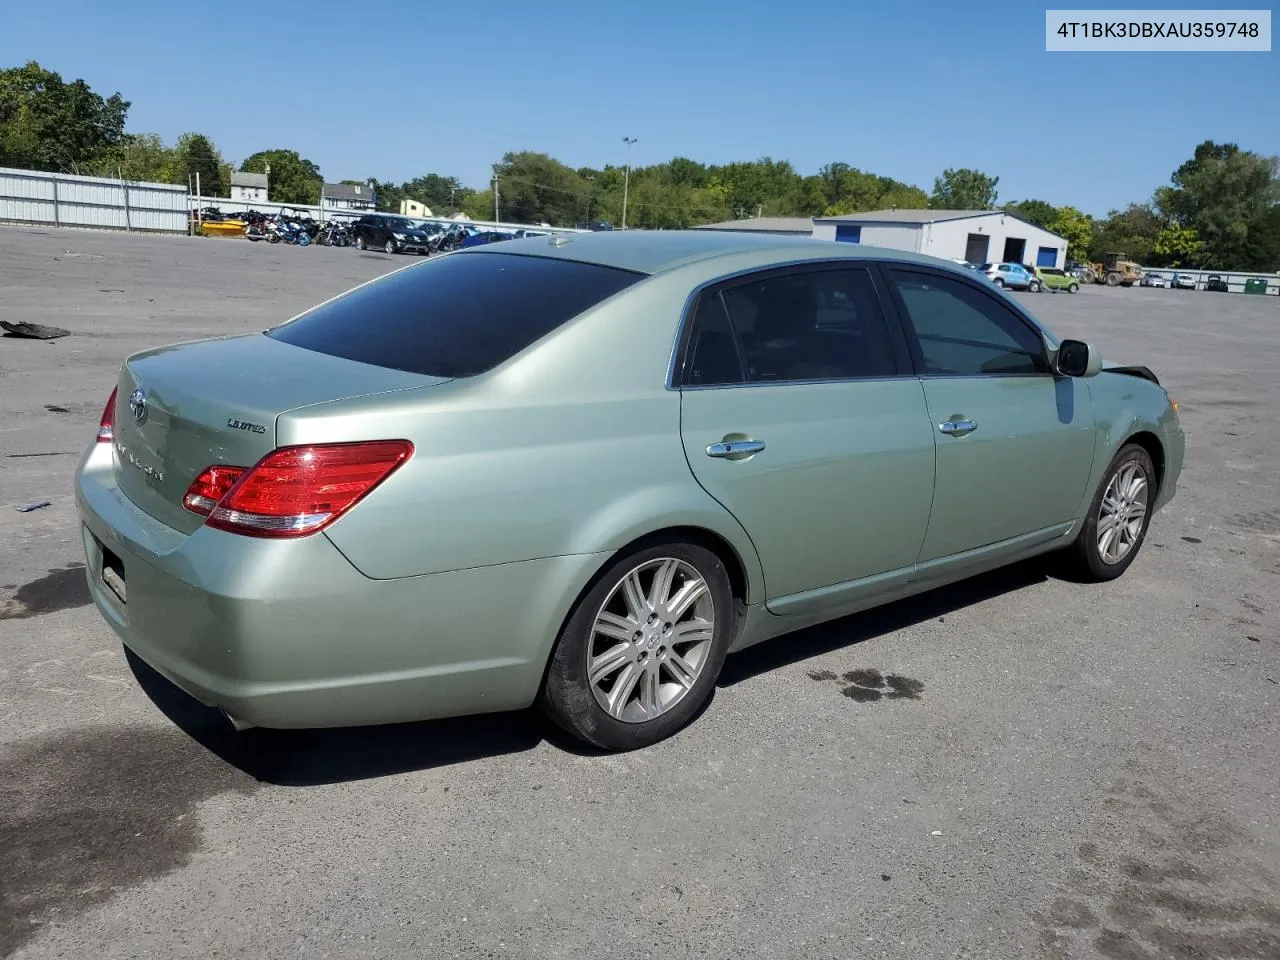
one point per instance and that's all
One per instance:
(978, 236)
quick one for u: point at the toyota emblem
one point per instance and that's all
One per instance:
(138, 405)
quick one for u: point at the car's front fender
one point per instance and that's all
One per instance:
(1125, 406)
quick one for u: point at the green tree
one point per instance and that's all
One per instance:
(535, 188)
(140, 156)
(292, 179)
(1038, 212)
(442, 194)
(964, 189)
(387, 195)
(197, 155)
(1131, 231)
(850, 190)
(479, 205)
(1262, 247)
(1220, 192)
(48, 124)
(1074, 227)
(1176, 246)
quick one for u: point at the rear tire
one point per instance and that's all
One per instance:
(1074, 288)
(1116, 524)
(640, 654)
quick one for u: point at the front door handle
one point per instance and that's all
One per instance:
(958, 428)
(735, 449)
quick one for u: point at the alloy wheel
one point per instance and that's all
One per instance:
(1122, 512)
(651, 638)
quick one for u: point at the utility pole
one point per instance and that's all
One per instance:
(496, 218)
(590, 180)
(626, 182)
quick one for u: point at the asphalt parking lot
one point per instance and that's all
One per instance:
(1079, 771)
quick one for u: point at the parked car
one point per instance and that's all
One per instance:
(1154, 280)
(390, 232)
(1051, 278)
(415, 501)
(595, 225)
(480, 238)
(1183, 281)
(1216, 284)
(1012, 275)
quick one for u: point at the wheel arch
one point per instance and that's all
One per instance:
(1154, 446)
(736, 566)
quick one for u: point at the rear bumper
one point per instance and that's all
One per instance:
(290, 634)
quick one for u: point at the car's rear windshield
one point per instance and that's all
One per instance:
(457, 316)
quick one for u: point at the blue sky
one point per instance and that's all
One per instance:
(398, 88)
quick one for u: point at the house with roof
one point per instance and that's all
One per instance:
(975, 236)
(777, 226)
(248, 187)
(346, 198)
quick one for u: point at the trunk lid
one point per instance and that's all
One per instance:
(216, 402)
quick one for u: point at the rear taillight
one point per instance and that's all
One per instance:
(210, 487)
(107, 425)
(294, 491)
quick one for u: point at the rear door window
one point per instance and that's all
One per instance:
(791, 327)
(457, 316)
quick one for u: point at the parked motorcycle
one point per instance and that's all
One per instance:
(334, 234)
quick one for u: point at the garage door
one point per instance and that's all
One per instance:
(1047, 257)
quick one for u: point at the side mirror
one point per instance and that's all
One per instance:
(1078, 359)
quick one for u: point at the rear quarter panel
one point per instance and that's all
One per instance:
(573, 447)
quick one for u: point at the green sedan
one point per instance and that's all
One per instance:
(580, 471)
(1054, 279)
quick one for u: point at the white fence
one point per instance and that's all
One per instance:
(1235, 280)
(70, 200)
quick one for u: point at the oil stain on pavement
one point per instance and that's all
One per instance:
(869, 686)
(60, 589)
(95, 811)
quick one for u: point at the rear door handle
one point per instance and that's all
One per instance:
(958, 428)
(734, 449)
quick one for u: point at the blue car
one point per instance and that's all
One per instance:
(481, 237)
(1012, 275)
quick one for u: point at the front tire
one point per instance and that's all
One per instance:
(640, 654)
(1073, 288)
(389, 246)
(1118, 517)
(1034, 286)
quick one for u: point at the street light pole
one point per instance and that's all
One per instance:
(626, 181)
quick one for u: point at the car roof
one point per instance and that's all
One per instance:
(657, 251)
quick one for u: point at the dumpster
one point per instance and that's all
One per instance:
(1255, 285)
